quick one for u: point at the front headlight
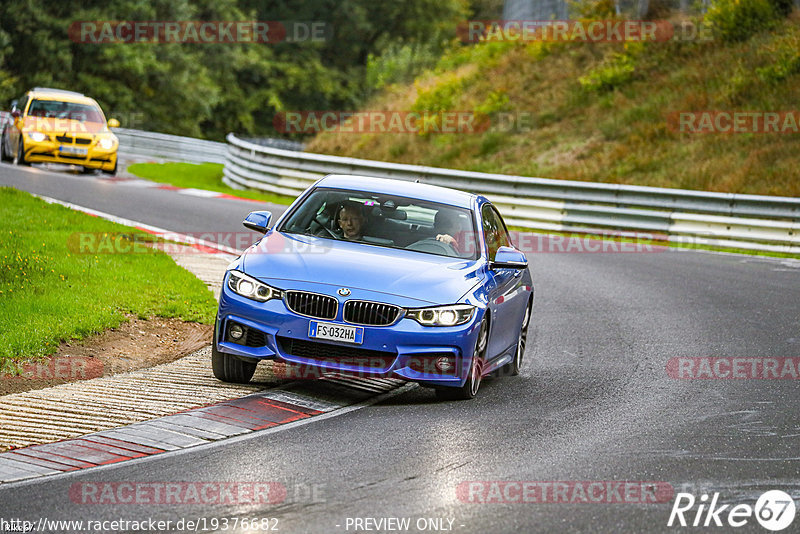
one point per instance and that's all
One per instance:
(249, 287)
(37, 137)
(106, 143)
(452, 315)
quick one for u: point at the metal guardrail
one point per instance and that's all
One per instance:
(270, 142)
(138, 144)
(143, 145)
(721, 219)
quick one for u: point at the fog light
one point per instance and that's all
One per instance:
(445, 364)
(236, 331)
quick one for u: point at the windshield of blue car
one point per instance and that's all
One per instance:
(57, 109)
(386, 221)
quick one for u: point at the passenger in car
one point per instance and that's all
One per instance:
(447, 229)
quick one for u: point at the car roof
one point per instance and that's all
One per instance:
(372, 184)
(48, 93)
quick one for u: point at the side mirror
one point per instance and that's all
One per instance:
(16, 114)
(113, 123)
(258, 221)
(509, 258)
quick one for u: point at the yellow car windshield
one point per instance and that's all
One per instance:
(65, 110)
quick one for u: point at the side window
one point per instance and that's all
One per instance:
(22, 103)
(494, 230)
(503, 230)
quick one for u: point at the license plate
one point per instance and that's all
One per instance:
(336, 332)
(74, 150)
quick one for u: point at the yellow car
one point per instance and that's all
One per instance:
(56, 126)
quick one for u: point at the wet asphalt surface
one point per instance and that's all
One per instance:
(594, 402)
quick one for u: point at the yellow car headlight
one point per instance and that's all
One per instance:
(106, 143)
(37, 137)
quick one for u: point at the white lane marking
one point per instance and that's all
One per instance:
(160, 232)
(133, 182)
(199, 193)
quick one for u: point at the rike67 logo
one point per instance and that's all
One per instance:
(774, 510)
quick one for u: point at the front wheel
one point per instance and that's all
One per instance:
(228, 368)
(515, 365)
(3, 153)
(19, 159)
(473, 381)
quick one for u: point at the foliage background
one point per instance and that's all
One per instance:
(207, 90)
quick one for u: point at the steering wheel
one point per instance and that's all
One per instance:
(434, 246)
(325, 227)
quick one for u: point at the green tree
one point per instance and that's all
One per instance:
(211, 89)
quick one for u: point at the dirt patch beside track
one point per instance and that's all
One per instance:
(133, 345)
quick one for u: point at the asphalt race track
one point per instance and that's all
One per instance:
(157, 207)
(594, 402)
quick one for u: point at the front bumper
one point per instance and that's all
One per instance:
(404, 350)
(49, 152)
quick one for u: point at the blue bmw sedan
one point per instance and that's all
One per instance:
(377, 277)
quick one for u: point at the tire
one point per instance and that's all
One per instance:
(3, 155)
(88, 170)
(515, 365)
(19, 159)
(473, 381)
(228, 368)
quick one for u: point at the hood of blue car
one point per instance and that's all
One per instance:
(415, 275)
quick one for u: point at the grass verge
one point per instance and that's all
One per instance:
(206, 176)
(50, 291)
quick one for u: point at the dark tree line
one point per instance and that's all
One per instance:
(207, 90)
